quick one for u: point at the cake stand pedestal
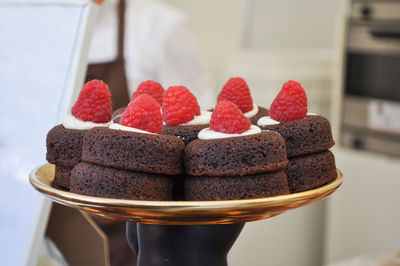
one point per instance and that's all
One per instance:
(182, 245)
(180, 233)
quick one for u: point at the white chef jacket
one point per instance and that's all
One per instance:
(160, 45)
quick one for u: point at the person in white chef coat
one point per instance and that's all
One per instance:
(159, 44)
(154, 41)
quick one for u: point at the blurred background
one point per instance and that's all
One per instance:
(345, 53)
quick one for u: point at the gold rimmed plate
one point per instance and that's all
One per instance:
(179, 212)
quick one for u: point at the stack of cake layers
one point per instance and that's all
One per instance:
(311, 164)
(64, 149)
(127, 165)
(236, 168)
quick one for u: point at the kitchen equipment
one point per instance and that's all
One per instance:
(371, 103)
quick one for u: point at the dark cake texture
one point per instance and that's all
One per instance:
(185, 133)
(100, 181)
(64, 146)
(149, 153)
(237, 187)
(309, 135)
(62, 176)
(116, 115)
(261, 112)
(236, 156)
(310, 171)
(178, 190)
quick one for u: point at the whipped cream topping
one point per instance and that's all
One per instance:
(117, 126)
(208, 133)
(203, 118)
(252, 112)
(71, 122)
(268, 121)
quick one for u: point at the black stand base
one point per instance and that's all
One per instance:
(182, 245)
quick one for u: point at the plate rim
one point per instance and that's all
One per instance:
(52, 192)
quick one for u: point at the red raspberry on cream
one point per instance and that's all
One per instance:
(179, 106)
(94, 103)
(227, 118)
(152, 88)
(237, 91)
(290, 104)
(143, 113)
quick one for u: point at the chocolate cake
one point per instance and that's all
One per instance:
(234, 160)
(305, 136)
(64, 146)
(62, 176)
(150, 153)
(236, 156)
(260, 185)
(64, 149)
(261, 112)
(310, 171)
(100, 181)
(186, 133)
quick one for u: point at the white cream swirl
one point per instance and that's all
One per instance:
(266, 121)
(202, 119)
(252, 112)
(208, 133)
(117, 126)
(71, 122)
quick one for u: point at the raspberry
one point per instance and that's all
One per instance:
(227, 118)
(152, 88)
(94, 103)
(179, 106)
(144, 113)
(236, 90)
(290, 104)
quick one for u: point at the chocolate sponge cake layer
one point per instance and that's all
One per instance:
(185, 133)
(309, 135)
(62, 176)
(64, 146)
(239, 187)
(150, 153)
(261, 112)
(96, 180)
(236, 156)
(310, 171)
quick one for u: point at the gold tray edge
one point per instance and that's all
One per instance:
(37, 184)
(184, 212)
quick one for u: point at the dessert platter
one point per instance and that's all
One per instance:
(162, 162)
(167, 162)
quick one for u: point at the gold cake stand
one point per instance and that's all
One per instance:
(179, 212)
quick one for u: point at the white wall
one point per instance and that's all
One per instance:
(282, 240)
(217, 25)
(275, 24)
(288, 24)
(363, 217)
